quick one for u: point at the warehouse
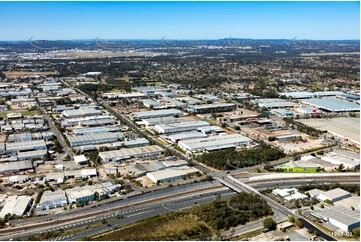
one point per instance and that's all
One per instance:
(211, 130)
(297, 95)
(105, 189)
(80, 195)
(333, 105)
(16, 166)
(175, 138)
(124, 154)
(17, 205)
(334, 195)
(90, 121)
(284, 113)
(150, 103)
(89, 139)
(164, 120)
(171, 174)
(51, 200)
(96, 130)
(214, 143)
(25, 146)
(132, 143)
(174, 102)
(349, 159)
(156, 114)
(179, 127)
(82, 112)
(81, 160)
(341, 217)
(28, 155)
(213, 107)
(272, 103)
(121, 95)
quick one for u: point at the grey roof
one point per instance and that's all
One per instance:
(94, 137)
(340, 214)
(157, 113)
(333, 104)
(335, 193)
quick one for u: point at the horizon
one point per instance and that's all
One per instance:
(69, 21)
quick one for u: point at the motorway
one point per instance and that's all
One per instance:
(144, 206)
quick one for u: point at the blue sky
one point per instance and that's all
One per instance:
(179, 20)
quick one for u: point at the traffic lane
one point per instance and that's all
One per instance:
(171, 206)
(181, 203)
(308, 225)
(123, 202)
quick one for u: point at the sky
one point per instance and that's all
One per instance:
(179, 20)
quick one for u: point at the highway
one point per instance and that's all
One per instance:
(146, 205)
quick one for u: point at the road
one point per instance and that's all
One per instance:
(57, 133)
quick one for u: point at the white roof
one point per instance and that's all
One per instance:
(15, 205)
(80, 158)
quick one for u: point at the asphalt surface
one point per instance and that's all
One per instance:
(131, 214)
(57, 133)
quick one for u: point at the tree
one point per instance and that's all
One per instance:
(299, 223)
(356, 233)
(341, 167)
(269, 224)
(291, 219)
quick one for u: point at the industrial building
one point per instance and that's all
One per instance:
(334, 195)
(171, 174)
(349, 159)
(333, 105)
(90, 139)
(124, 154)
(96, 130)
(17, 205)
(132, 143)
(150, 103)
(25, 146)
(284, 113)
(179, 127)
(213, 107)
(297, 95)
(175, 138)
(121, 95)
(81, 112)
(80, 195)
(214, 143)
(34, 154)
(51, 200)
(289, 194)
(88, 121)
(341, 217)
(211, 130)
(272, 103)
(156, 114)
(16, 166)
(81, 160)
(174, 102)
(163, 120)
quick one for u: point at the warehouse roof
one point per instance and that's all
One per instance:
(335, 193)
(171, 173)
(195, 124)
(333, 104)
(15, 166)
(130, 152)
(187, 135)
(15, 205)
(338, 213)
(91, 137)
(51, 196)
(80, 112)
(212, 105)
(154, 113)
(215, 142)
(298, 94)
(25, 145)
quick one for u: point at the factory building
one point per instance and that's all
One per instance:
(17, 205)
(96, 130)
(155, 121)
(274, 103)
(175, 138)
(91, 139)
(150, 103)
(334, 195)
(121, 95)
(179, 127)
(284, 113)
(16, 166)
(171, 174)
(82, 112)
(156, 114)
(213, 107)
(80, 195)
(132, 143)
(51, 200)
(34, 154)
(297, 95)
(124, 154)
(214, 143)
(211, 130)
(25, 146)
(349, 159)
(333, 105)
(88, 121)
(341, 217)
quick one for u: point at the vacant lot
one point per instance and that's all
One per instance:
(171, 226)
